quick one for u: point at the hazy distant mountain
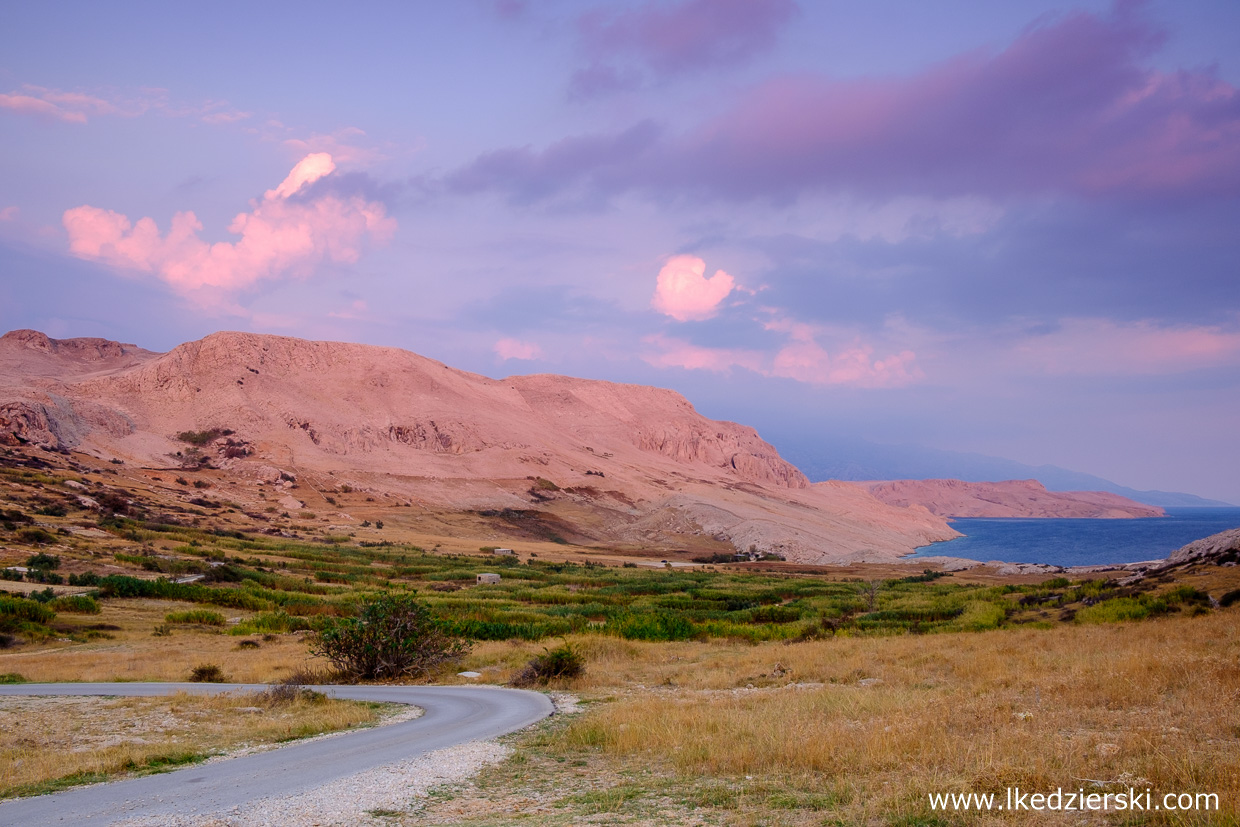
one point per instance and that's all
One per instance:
(861, 460)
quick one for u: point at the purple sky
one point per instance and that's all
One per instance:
(1010, 228)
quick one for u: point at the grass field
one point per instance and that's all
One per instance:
(757, 693)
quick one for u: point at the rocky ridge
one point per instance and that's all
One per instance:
(610, 463)
(1010, 498)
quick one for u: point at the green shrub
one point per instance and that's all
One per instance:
(1117, 609)
(561, 663)
(980, 615)
(13, 677)
(82, 604)
(29, 610)
(393, 635)
(207, 673)
(202, 617)
(35, 536)
(774, 614)
(271, 623)
(651, 626)
(45, 596)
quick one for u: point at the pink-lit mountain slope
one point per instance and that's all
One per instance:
(615, 464)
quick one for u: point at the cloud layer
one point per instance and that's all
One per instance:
(1067, 107)
(282, 235)
(664, 41)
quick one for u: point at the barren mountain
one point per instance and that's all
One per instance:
(592, 462)
(1011, 498)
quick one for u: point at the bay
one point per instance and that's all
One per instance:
(1081, 542)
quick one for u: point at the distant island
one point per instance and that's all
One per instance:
(1009, 498)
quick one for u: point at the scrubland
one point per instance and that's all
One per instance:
(755, 693)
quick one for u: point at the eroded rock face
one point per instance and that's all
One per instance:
(731, 447)
(24, 422)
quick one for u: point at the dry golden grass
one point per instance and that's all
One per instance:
(875, 724)
(132, 653)
(48, 739)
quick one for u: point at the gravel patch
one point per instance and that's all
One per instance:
(353, 800)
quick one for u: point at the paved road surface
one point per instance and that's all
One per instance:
(454, 715)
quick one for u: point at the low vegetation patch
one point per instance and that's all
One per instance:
(562, 663)
(41, 743)
(202, 617)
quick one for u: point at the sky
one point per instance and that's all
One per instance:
(1006, 228)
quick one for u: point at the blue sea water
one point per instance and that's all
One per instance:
(1082, 542)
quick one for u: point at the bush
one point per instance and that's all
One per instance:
(561, 663)
(203, 617)
(1119, 609)
(45, 596)
(654, 626)
(22, 609)
(13, 677)
(207, 673)
(34, 536)
(393, 635)
(82, 604)
(44, 576)
(201, 438)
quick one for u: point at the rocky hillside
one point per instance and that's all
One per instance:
(1012, 498)
(615, 463)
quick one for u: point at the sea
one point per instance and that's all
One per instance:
(1081, 542)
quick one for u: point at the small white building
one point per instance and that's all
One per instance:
(488, 577)
(504, 552)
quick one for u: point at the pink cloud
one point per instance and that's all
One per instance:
(1102, 346)
(517, 349)
(79, 107)
(70, 107)
(684, 293)
(801, 359)
(347, 146)
(279, 236)
(675, 353)
(9, 213)
(226, 116)
(27, 105)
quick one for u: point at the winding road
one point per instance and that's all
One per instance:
(453, 715)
